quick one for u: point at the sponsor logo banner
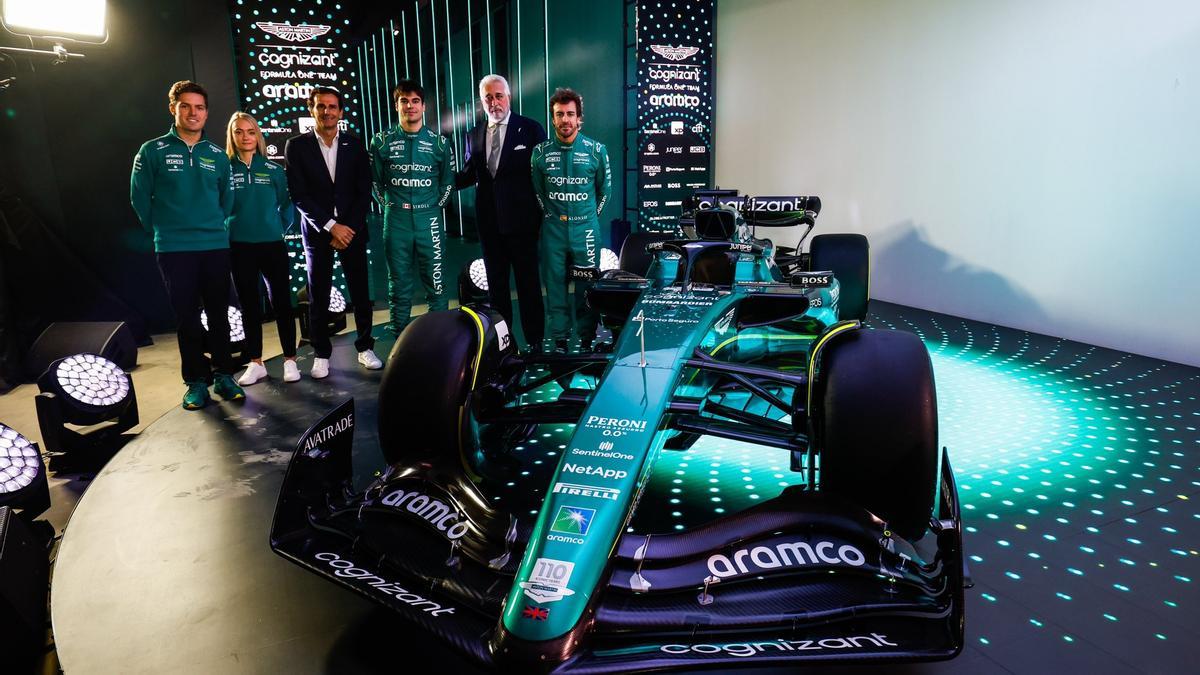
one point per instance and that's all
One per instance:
(328, 442)
(548, 581)
(780, 645)
(573, 520)
(674, 106)
(442, 516)
(605, 452)
(783, 553)
(281, 62)
(812, 279)
(612, 426)
(760, 204)
(364, 578)
(610, 494)
(597, 471)
(290, 33)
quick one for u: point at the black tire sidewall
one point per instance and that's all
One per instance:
(426, 380)
(875, 425)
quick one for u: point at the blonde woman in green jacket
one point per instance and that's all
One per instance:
(262, 212)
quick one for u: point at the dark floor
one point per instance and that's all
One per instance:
(1078, 468)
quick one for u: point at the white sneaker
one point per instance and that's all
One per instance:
(320, 368)
(369, 361)
(254, 373)
(291, 372)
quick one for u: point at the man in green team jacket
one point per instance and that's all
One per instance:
(180, 189)
(412, 174)
(572, 181)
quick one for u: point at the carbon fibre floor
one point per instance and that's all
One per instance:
(1078, 467)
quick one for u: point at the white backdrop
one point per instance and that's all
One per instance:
(1031, 164)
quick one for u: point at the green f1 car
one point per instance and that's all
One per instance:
(523, 551)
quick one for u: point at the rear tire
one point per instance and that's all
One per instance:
(874, 421)
(848, 256)
(634, 257)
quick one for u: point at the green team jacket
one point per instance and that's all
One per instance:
(411, 171)
(262, 208)
(564, 175)
(182, 194)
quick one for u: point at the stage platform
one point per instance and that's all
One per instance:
(1078, 468)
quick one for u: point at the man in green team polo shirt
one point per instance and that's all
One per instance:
(180, 189)
(572, 181)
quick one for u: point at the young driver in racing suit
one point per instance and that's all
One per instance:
(572, 181)
(412, 173)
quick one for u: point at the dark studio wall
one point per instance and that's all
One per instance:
(68, 134)
(585, 41)
(587, 49)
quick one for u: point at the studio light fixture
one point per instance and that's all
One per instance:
(609, 260)
(337, 311)
(337, 302)
(237, 330)
(57, 22)
(84, 390)
(472, 283)
(22, 474)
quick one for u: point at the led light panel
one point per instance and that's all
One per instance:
(82, 19)
(237, 332)
(609, 260)
(92, 380)
(337, 301)
(478, 273)
(19, 464)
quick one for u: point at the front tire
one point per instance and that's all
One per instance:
(634, 257)
(423, 415)
(874, 422)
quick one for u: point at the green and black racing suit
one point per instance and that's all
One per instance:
(572, 182)
(412, 175)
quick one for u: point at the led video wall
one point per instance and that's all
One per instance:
(674, 106)
(283, 50)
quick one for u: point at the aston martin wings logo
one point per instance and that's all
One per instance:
(300, 33)
(674, 53)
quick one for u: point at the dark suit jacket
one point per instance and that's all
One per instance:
(504, 204)
(317, 197)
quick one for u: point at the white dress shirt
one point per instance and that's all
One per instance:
(329, 153)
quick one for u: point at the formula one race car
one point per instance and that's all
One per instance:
(746, 475)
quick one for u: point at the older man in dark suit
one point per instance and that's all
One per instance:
(330, 182)
(506, 210)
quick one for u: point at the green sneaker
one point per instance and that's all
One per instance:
(226, 388)
(196, 396)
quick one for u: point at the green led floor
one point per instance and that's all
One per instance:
(1079, 474)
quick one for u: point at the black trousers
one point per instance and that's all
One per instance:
(267, 260)
(195, 280)
(320, 278)
(502, 252)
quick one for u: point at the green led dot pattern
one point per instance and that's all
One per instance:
(1079, 473)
